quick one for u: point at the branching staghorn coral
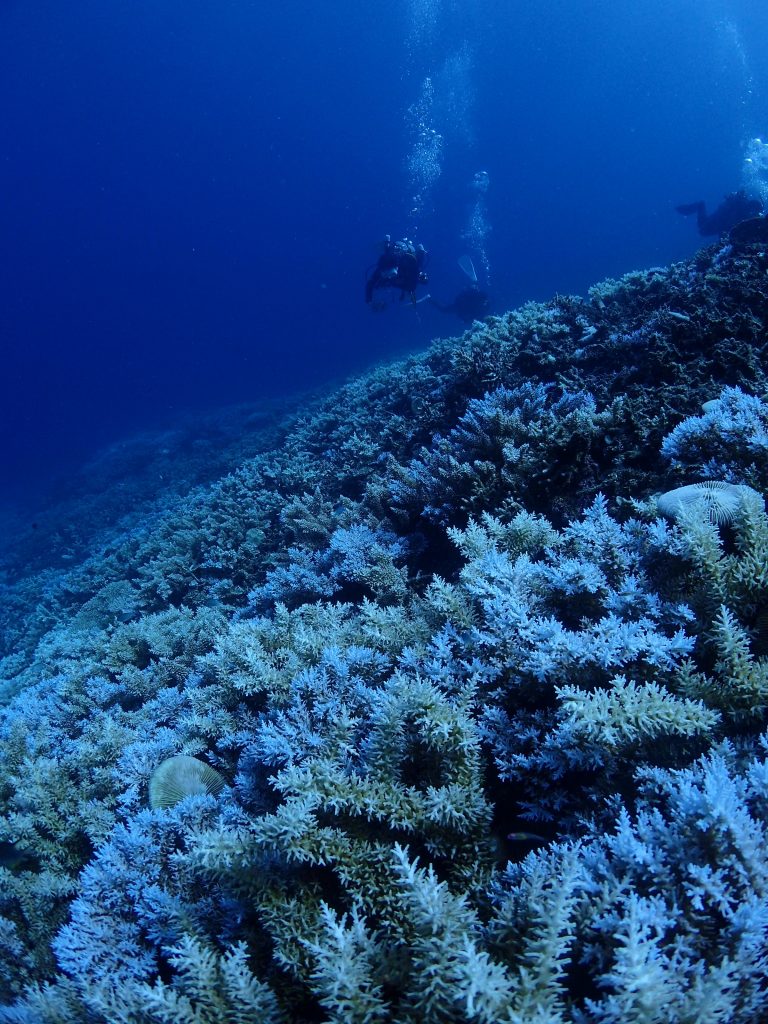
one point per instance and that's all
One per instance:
(512, 444)
(387, 707)
(580, 654)
(658, 915)
(728, 441)
(727, 583)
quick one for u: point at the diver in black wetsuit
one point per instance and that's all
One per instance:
(736, 207)
(472, 302)
(469, 305)
(401, 265)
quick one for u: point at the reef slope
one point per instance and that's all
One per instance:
(485, 732)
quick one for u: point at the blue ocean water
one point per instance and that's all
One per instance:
(190, 193)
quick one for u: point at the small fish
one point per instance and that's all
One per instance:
(527, 837)
(14, 858)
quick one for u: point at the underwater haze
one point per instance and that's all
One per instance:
(191, 193)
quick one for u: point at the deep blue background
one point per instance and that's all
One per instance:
(190, 192)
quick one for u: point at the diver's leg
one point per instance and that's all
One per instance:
(698, 208)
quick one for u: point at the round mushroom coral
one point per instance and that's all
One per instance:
(181, 776)
(721, 501)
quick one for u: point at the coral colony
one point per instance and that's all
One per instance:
(444, 702)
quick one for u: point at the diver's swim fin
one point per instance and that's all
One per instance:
(468, 267)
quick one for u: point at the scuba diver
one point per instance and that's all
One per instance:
(736, 207)
(401, 265)
(472, 302)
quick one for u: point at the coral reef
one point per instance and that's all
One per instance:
(484, 732)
